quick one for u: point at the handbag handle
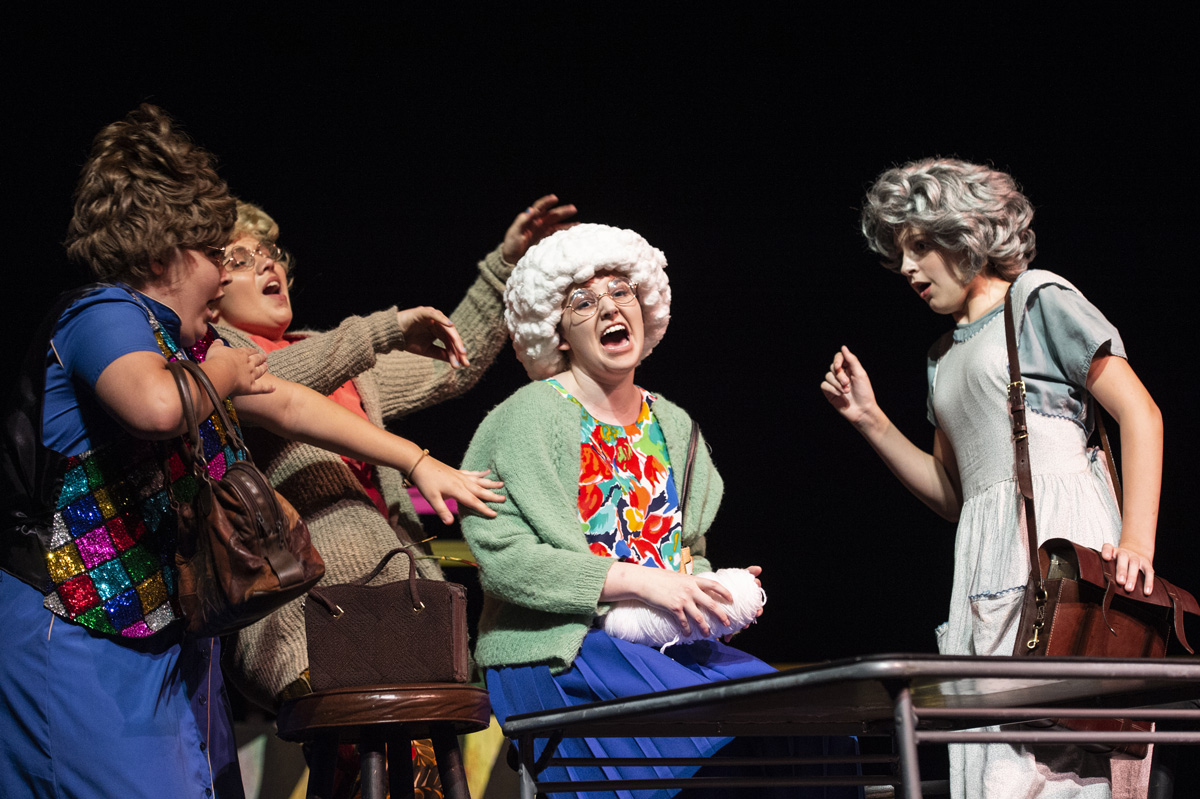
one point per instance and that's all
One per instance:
(179, 369)
(418, 605)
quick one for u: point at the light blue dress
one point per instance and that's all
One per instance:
(1059, 333)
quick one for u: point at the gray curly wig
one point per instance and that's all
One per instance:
(534, 295)
(965, 208)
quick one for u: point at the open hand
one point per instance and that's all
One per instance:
(424, 328)
(247, 366)
(534, 224)
(436, 481)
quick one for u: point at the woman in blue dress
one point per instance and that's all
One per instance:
(101, 693)
(960, 236)
(593, 468)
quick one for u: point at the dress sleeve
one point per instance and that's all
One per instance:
(85, 343)
(1060, 335)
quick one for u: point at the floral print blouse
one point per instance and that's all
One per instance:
(628, 505)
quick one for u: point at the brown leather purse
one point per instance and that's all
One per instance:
(408, 631)
(1073, 604)
(242, 550)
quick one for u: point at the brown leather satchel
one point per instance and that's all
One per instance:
(409, 631)
(1073, 604)
(242, 549)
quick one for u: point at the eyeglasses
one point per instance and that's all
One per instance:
(584, 302)
(239, 258)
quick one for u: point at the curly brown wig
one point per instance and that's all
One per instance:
(146, 189)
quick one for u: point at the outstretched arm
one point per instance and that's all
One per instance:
(297, 412)
(932, 478)
(1115, 386)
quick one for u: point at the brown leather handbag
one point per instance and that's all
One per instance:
(242, 549)
(1073, 604)
(408, 631)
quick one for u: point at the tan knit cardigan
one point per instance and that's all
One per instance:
(346, 526)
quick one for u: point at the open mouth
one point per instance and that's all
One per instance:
(273, 287)
(921, 288)
(614, 336)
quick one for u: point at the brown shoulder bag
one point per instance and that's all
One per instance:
(243, 550)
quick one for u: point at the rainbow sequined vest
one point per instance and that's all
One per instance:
(111, 557)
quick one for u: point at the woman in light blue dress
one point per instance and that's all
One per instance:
(960, 236)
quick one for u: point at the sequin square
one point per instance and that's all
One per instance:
(75, 484)
(118, 495)
(153, 592)
(175, 467)
(170, 576)
(95, 547)
(185, 488)
(92, 467)
(211, 439)
(104, 503)
(137, 630)
(53, 603)
(78, 594)
(64, 563)
(96, 619)
(160, 617)
(216, 466)
(110, 579)
(124, 609)
(82, 516)
(139, 563)
(154, 509)
(116, 531)
(58, 532)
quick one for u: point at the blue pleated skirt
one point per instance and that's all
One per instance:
(608, 668)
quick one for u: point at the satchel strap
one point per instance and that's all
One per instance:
(1020, 432)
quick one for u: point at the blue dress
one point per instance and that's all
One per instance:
(84, 714)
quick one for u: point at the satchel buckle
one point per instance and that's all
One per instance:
(1018, 384)
(420, 606)
(1039, 597)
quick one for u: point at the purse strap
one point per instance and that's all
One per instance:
(417, 604)
(195, 450)
(1020, 432)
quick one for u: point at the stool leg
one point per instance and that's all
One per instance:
(372, 750)
(321, 767)
(450, 766)
(400, 768)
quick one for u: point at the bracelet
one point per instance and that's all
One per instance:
(408, 477)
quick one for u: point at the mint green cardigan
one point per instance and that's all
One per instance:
(541, 582)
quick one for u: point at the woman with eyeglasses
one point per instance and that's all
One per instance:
(372, 365)
(593, 467)
(102, 693)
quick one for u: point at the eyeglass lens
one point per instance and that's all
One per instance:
(241, 258)
(584, 301)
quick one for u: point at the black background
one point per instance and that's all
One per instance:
(395, 148)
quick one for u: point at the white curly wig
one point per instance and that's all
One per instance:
(533, 298)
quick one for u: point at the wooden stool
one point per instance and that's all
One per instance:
(386, 719)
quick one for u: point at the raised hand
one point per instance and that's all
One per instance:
(436, 481)
(424, 327)
(534, 224)
(848, 388)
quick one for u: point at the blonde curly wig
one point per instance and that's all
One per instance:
(533, 298)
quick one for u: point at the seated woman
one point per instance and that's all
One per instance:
(373, 366)
(102, 693)
(593, 468)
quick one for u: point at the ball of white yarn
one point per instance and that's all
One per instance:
(632, 620)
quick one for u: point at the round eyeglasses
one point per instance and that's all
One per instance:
(583, 302)
(238, 258)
